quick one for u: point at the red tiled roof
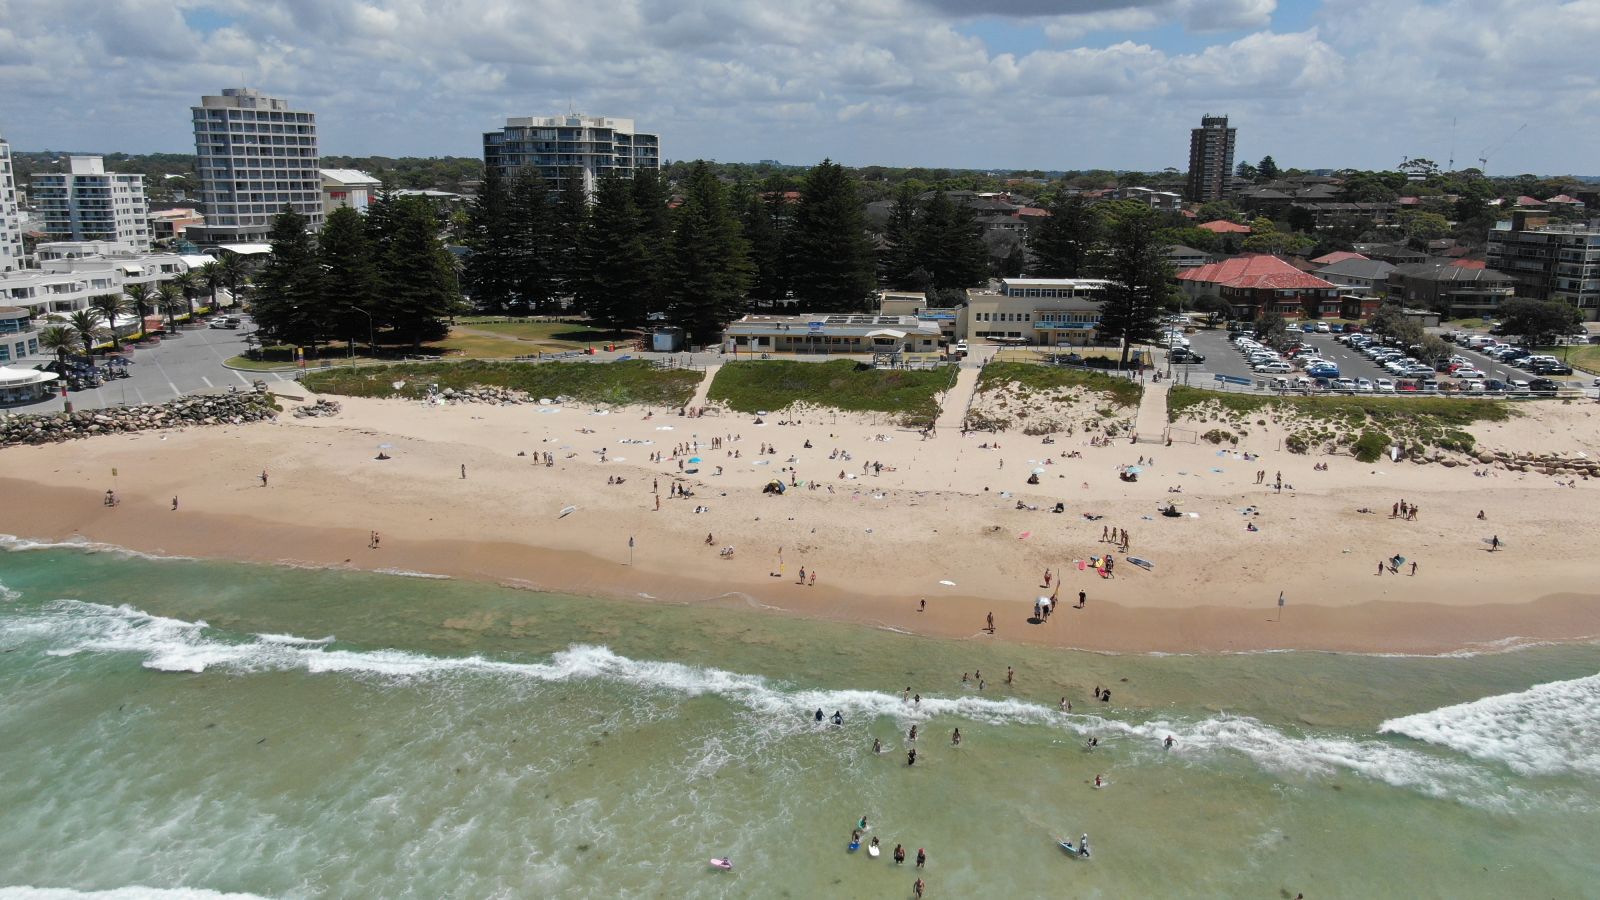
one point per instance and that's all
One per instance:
(1470, 264)
(1328, 259)
(1032, 211)
(1409, 201)
(1222, 226)
(1525, 200)
(1258, 271)
(1188, 214)
(1563, 198)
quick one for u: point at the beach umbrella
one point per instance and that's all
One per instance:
(694, 459)
(1038, 470)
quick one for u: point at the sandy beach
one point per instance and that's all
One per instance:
(911, 519)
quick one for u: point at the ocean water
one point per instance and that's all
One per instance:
(188, 729)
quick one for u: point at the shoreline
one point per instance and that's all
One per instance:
(1373, 628)
(948, 519)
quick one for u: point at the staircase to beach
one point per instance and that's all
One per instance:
(704, 390)
(953, 407)
(1150, 427)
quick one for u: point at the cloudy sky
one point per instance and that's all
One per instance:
(1050, 84)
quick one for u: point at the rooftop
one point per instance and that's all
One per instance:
(350, 177)
(1328, 259)
(1223, 226)
(1356, 266)
(1445, 271)
(1255, 272)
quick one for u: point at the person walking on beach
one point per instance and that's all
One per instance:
(991, 615)
(263, 477)
(955, 738)
(813, 581)
(924, 606)
(174, 504)
(1083, 598)
(1380, 567)
(1413, 568)
(1010, 675)
(1494, 542)
(463, 471)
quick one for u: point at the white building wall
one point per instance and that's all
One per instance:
(65, 283)
(87, 203)
(255, 156)
(10, 219)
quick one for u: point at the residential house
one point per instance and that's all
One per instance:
(1260, 283)
(1181, 257)
(1451, 291)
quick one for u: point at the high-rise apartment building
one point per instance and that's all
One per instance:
(558, 146)
(87, 203)
(1549, 261)
(255, 156)
(10, 222)
(1211, 159)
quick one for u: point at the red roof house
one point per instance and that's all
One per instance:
(1259, 282)
(1223, 226)
(1329, 259)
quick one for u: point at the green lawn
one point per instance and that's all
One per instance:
(1048, 378)
(618, 384)
(841, 384)
(551, 335)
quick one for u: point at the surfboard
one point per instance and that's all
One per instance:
(873, 852)
(1067, 846)
(567, 511)
(1141, 562)
(725, 864)
(854, 846)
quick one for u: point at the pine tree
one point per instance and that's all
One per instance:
(612, 281)
(655, 231)
(829, 254)
(530, 249)
(349, 276)
(571, 212)
(1133, 302)
(418, 274)
(288, 303)
(488, 276)
(710, 264)
(899, 257)
(765, 241)
(1062, 243)
(949, 244)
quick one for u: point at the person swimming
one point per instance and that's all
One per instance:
(877, 746)
(1168, 742)
(862, 824)
(911, 757)
(838, 718)
(913, 732)
(819, 715)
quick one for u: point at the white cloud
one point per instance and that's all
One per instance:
(1108, 82)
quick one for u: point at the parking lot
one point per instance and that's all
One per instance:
(1222, 358)
(183, 363)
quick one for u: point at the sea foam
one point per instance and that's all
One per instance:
(119, 894)
(72, 627)
(1547, 729)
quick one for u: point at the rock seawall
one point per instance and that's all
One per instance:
(200, 409)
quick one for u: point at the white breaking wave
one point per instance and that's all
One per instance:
(7, 594)
(1547, 729)
(120, 894)
(14, 544)
(172, 645)
(407, 573)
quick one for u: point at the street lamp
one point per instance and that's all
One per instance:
(372, 342)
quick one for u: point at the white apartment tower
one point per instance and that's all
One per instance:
(255, 156)
(87, 203)
(10, 224)
(587, 147)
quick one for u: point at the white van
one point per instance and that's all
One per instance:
(1480, 341)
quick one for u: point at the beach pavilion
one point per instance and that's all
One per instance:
(24, 385)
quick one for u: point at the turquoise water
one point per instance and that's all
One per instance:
(173, 725)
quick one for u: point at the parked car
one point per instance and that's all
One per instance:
(1344, 384)
(1383, 386)
(1274, 368)
(1552, 369)
(1542, 386)
(1323, 371)
(1364, 386)
(1185, 355)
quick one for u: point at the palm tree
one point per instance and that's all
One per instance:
(142, 296)
(233, 272)
(189, 284)
(59, 339)
(211, 273)
(111, 307)
(86, 322)
(169, 298)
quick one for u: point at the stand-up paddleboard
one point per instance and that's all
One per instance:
(723, 863)
(567, 511)
(1141, 562)
(873, 851)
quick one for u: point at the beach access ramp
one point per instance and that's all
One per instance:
(1151, 425)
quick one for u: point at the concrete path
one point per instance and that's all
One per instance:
(953, 408)
(1151, 424)
(704, 390)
